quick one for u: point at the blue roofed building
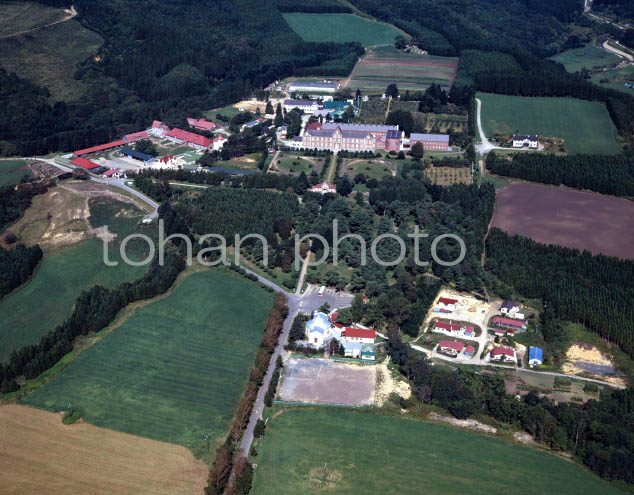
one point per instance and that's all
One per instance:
(318, 330)
(535, 356)
(137, 155)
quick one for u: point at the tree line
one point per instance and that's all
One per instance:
(228, 458)
(14, 200)
(594, 290)
(17, 265)
(598, 433)
(607, 174)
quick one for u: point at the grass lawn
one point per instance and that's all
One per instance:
(296, 164)
(369, 168)
(589, 56)
(49, 56)
(175, 370)
(341, 28)
(616, 79)
(11, 172)
(585, 126)
(47, 299)
(367, 453)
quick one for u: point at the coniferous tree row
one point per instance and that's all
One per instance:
(599, 432)
(14, 200)
(17, 266)
(594, 290)
(607, 174)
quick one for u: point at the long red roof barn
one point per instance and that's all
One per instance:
(84, 163)
(451, 344)
(505, 351)
(101, 147)
(189, 137)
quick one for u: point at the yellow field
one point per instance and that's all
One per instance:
(39, 454)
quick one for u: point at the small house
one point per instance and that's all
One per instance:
(510, 308)
(535, 356)
(503, 355)
(450, 347)
(525, 141)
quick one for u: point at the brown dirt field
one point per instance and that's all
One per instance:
(39, 454)
(577, 219)
(59, 218)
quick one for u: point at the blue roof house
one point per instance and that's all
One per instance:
(535, 356)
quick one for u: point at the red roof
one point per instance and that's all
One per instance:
(202, 123)
(445, 300)
(359, 333)
(334, 316)
(84, 163)
(451, 344)
(313, 126)
(166, 158)
(503, 351)
(158, 124)
(469, 350)
(135, 136)
(101, 147)
(339, 325)
(508, 321)
(110, 172)
(452, 327)
(189, 137)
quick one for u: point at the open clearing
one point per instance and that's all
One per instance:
(588, 56)
(22, 16)
(379, 68)
(577, 219)
(175, 370)
(39, 454)
(616, 78)
(342, 28)
(48, 56)
(585, 126)
(12, 172)
(329, 382)
(368, 453)
(44, 302)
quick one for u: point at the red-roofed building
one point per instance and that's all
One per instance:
(84, 163)
(189, 138)
(503, 354)
(101, 147)
(447, 302)
(363, 335)
(323, 188)
(450, 347)
(313, 126)
(201, 124)
(508, 322)
(219, 141)
(469, 351)
(444, 327)
(136, 136)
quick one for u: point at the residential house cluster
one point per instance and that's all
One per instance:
(454, 329)
(455, 348)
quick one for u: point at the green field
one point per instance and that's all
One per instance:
(585, 126)
(49, 56)
(22, 16)
(367, 453)
(296, 164)
(11, 172)
(342, 28)
(175, 370)
(371, 169)
(616, 79)
(47, 299)
(589, 56)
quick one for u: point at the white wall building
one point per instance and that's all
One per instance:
(522, 141)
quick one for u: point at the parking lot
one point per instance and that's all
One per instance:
(328, 382)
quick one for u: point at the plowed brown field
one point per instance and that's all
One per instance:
(39, 454)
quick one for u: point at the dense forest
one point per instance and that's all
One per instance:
(599, 433)
(162, 61)
(14, 200)
(17, 266)
(595, 290)
(606, 174)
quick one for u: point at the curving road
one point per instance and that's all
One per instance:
(71, 15)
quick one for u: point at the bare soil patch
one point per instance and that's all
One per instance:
(576, 219)
(328, 382)
(39, 454)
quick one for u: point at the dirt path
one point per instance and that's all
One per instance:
(71, 14)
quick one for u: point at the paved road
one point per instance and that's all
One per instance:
(120, 183)
(305, 303)
(616, 51)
